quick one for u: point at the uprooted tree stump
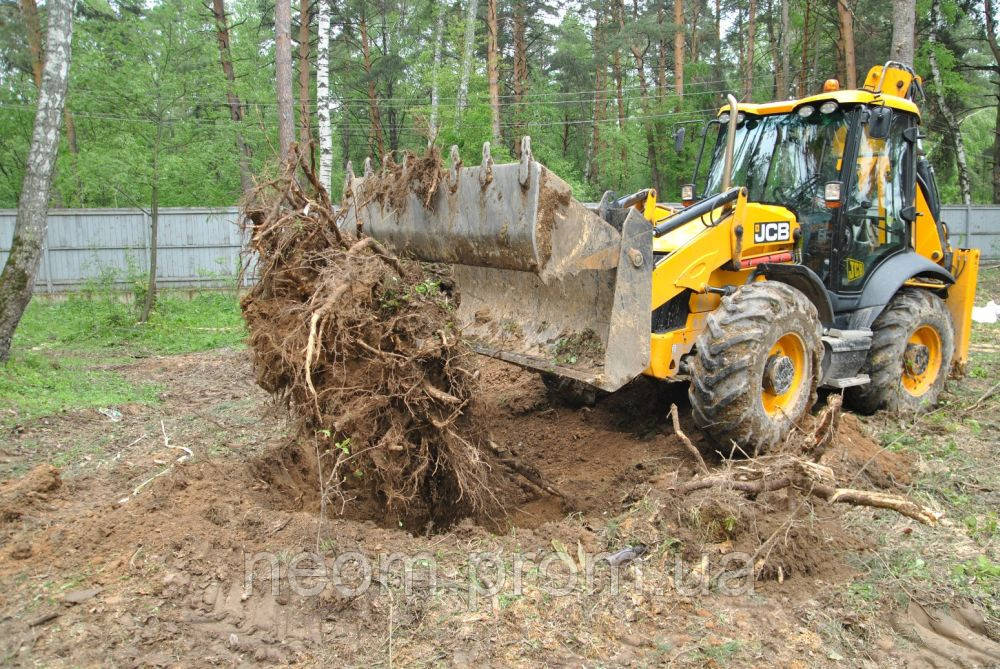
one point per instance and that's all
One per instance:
(362, 349)
(763, 474)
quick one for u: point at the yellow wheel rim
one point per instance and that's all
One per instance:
(781, 385)
(921, 360)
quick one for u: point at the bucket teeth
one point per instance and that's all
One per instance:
(456, 163)
(486, 168)
(524, 168)
(348, 176)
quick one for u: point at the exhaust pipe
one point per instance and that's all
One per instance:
(727, 172)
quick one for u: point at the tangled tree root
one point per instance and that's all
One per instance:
(361, 347)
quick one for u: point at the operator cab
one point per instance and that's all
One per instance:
(843, 163)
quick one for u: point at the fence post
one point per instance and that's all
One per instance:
(968, 225)
(46, 261)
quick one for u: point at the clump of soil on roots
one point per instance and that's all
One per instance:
(377, 380)
(420, 175)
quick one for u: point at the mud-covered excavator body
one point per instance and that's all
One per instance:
(828, 196)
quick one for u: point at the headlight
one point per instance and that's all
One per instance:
(828, 107)
(806, 111)
(724, 118)
(687, 192)
(740, 118)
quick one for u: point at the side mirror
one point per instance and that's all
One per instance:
(679, 139)
(878, 122)
(831, 194)
(687, 194)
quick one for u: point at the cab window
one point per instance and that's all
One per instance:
(873, 227)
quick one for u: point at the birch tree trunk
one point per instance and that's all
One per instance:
(432, 125)
(964, 184)
(846, 15)
(233, 100)
(323, 94)
(29, 12)
(904, 17)
(493, 68)
(283, 75)
(470, 38)
(18, 277)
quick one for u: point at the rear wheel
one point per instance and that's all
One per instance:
(913, 343)
(754, 371)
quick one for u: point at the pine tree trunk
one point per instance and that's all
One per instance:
(18, 277)
(432, 125)
(639, 54)
(964, 185)
(493, 68)
(233, 100)
(283, 75)
(593, 160)
(781, 83)
(846, 15)
(376, 140)
(719, 72)
(323, 94)
(661, 55)
(904, 17)
(520, 71)
(748, 59)
(305, 112)
(616, 73)
(991, 37)
(679, 50)
(470, 38)
(806, 35)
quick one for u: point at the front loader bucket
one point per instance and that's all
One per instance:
(544, 282)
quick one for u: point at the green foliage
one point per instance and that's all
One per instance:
(97, 321)
(33, 385)
(145, 81)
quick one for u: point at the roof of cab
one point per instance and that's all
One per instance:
(842, 97)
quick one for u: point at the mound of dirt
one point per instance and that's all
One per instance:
(20, 495)
(363, 350)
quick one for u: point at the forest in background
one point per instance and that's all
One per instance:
(175, 100)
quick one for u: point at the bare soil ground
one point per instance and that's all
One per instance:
(121, 555)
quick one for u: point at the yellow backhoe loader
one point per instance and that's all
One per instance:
(811, 254)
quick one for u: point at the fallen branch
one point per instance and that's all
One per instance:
(687, 442)
(812, 479)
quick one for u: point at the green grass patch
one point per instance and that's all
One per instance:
(95, 322)
(33, 385)
(58, 344)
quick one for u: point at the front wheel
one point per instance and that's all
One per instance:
(755, 367)
(913, 342)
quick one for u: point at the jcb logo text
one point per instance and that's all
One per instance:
(771, 232)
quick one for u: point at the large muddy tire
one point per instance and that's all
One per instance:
(913, 343)
(570, 392)
(755, 367)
